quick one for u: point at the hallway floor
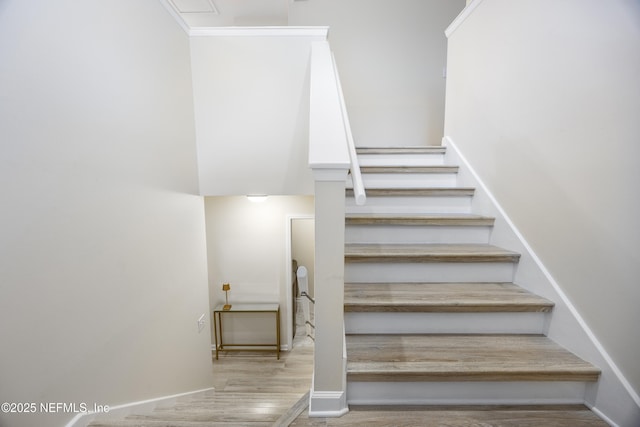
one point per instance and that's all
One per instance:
(255, 389)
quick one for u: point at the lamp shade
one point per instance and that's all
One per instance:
(226, 287)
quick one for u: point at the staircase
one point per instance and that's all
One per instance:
(432, 315)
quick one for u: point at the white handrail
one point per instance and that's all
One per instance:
(356, 176)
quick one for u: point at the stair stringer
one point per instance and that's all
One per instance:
(611, 397)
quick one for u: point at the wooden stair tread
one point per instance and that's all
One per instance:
(416, 192)
(432, 252)
(437, 357)
(461, 416)
(418, 219)
(441, 297)
(409, 169)
(402, 150)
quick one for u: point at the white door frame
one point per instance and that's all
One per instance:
(288, 282)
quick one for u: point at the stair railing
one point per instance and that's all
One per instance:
(303, 285)
(330, 161)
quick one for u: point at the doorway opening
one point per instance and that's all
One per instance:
(300, 253)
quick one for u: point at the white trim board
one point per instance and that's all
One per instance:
(327, 404)
(288, 279)
(457, 22)
(120, 411)
(613, 398)
(175, 15)
(320, 33)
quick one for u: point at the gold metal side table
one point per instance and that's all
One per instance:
(240, 309)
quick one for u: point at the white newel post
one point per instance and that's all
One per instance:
(328, 394)
(329, 160)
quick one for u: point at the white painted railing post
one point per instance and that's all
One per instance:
(330, 162)
(328, 394)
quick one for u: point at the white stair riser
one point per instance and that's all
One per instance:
(469, 393)
(364, 272)
(401, 159)
(444, 323)
(400, 180)
(411, 205)
(416, 234)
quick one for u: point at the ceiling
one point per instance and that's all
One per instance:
(228, 13)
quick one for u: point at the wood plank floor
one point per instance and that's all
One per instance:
(252, 389)
(465, 416)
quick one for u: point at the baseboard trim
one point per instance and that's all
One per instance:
(120, 411)
(294, 412)
(329, 404)
(604, 417)
(632, 395)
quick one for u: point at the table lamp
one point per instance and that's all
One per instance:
(226, 288)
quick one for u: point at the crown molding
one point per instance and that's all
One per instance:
(466, 12)
(319, 32)
(212, 8)
(175, 15)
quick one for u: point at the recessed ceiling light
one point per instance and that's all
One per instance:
(257, 198)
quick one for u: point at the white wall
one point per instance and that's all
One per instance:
(390, 58)
(252, 113)
(246, 244)
(543, 99)
(102, 236)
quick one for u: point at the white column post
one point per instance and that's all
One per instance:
(328, 393)
(330, 162)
